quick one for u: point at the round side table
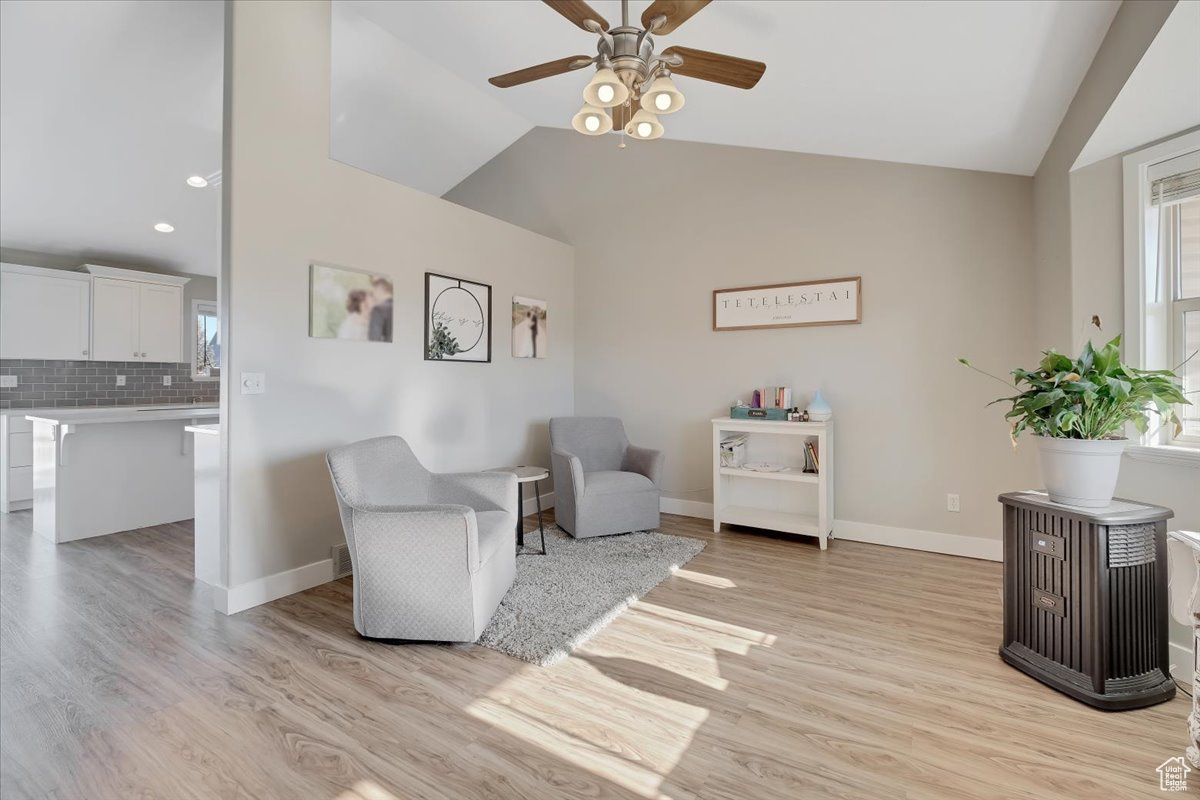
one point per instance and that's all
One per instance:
(528, 475)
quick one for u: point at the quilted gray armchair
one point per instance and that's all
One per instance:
(433, 554)
(602, 484)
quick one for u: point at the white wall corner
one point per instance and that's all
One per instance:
(529, 505)
(951, 544)
(231, 600)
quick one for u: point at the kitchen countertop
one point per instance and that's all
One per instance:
(210, 430)
(110, 414)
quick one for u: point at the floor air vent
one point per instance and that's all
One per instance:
(341, 561)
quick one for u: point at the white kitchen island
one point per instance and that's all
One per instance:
(103, 470)
(207, 527)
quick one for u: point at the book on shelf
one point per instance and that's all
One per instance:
(773, 397)
(810, 452)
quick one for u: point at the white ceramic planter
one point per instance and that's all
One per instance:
(1080, 472)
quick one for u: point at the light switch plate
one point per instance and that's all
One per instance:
(166, 380)
(254, 382)
(8, 381)
(120, 380)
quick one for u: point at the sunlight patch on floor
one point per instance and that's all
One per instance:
(367, 790)
(613, 708)
(608, 744)
(715, 581)
(734, 638)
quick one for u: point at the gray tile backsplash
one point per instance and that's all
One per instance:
(72, 384)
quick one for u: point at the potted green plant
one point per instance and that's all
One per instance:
(1078, 409)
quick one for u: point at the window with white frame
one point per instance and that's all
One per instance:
(1162, 200)
(206, 350)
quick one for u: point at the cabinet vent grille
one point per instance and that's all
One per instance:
(341, 561)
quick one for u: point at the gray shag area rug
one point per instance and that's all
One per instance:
(560, 600)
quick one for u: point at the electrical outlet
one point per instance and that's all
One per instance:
(254, 382)
(166, 380)
(952, 502)
(120, 380)
(8, 381)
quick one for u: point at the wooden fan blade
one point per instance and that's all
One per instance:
(623, 113)
(578, 12)
(676, 12)
(729, 70)
(546, 70)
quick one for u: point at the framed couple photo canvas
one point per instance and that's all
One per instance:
(529, 337)
(349, 304)
(458, 319)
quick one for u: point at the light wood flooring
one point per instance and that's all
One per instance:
(765, 669)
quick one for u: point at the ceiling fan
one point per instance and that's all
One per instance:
(631, 79)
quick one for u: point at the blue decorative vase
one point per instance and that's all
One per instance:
(818, 409)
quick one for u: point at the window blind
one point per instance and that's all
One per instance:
(1176, 188)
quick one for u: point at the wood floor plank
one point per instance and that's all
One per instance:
(765, 668)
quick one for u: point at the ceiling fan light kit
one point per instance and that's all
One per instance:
(592, 121)
(644, 126)
(630, 78)
(662, 97)
(605, 89)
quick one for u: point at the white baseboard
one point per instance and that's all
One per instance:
(529, 505)
(1181, 663)
(231, 600)
(952, 544)
(685, 508)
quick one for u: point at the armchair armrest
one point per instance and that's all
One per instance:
(416, 530)
(482, 491)
(643, 461)
(568, 472)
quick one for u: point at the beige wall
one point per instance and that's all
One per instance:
(288, 204)
(1097, 255)
(945, 257)
(1098, 273)
(198, 287)
(1092, 232)
(1132, 30)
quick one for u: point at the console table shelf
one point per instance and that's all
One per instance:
(772, 500)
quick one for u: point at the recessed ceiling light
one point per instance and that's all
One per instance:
(164, 227)
(197, 182)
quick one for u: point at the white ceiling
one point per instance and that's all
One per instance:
(978, 85)
(105, 109)
(1161, 97)
(107, 106)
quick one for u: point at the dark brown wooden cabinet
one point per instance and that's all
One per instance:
(1085, 599)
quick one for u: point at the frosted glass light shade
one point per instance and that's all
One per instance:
(662, 97)
(644, 126)
(605, 77)
(592, 121)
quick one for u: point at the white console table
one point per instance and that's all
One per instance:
(791, 502)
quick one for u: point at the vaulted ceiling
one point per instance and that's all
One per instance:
(978, 85)
(107, 106)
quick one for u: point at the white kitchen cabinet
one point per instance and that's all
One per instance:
(16, 461)
(160, 321)
(44, 313)
(115, 320)
(136, 316)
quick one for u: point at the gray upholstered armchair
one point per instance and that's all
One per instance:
(433, 554)
(602, 483)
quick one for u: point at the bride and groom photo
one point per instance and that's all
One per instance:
(351, 305)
